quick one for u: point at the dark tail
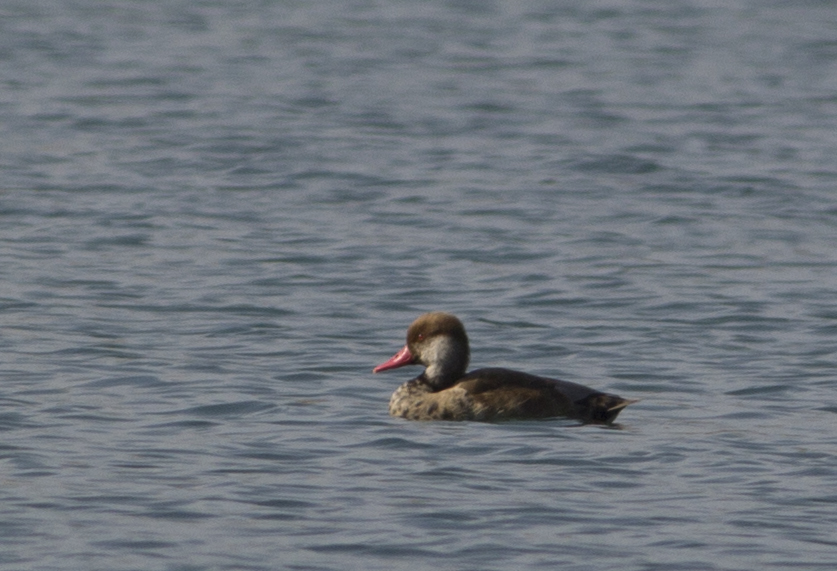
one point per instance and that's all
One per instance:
(603, 407)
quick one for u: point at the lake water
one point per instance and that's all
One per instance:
(216, 216)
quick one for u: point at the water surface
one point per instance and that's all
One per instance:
(217, 217)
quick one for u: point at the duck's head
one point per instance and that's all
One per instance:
(438, 341)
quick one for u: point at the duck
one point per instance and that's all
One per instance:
(444, 391)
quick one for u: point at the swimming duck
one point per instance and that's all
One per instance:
(444, 391)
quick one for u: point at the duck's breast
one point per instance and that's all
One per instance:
(416, 401)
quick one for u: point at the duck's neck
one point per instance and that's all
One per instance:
(446, 359)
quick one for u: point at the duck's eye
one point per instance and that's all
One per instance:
(421, 336)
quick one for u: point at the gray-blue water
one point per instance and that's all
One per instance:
(216, 216)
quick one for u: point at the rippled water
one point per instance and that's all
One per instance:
(216, 217)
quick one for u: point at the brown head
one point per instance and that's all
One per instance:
(438, 341)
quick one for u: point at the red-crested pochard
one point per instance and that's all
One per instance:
(445, 392)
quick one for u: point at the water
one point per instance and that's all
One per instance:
(217, 217)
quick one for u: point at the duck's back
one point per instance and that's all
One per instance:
(499, 393)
